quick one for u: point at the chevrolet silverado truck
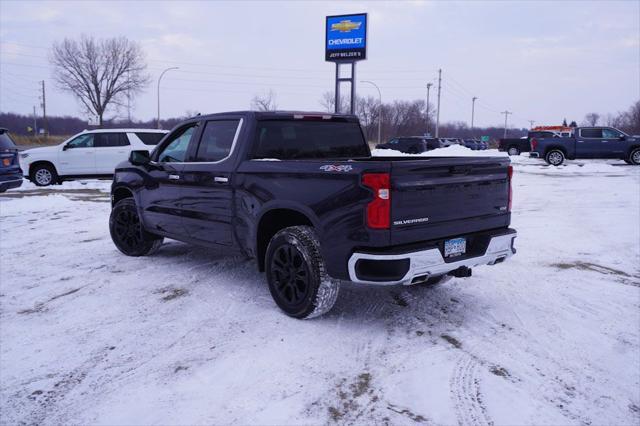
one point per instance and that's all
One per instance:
(301, 194)
(588, 142)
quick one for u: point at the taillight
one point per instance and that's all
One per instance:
(510, 174)
(534, 144)
(378, 210)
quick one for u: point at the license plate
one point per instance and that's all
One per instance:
(455, 247)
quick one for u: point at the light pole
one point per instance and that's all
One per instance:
(160, 78)
(380, 106)
(506, 114)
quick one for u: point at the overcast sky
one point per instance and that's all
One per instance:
(542, 60)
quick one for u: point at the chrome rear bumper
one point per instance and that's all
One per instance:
(426, 263)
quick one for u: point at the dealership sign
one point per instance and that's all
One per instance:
(346, 37)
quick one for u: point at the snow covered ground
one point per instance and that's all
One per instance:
(189, 336)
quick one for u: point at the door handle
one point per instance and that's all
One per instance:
(220, 179)
(174, 177)
(605, 141)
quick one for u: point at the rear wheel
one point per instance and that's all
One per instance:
(634, 157)
(44, 175)
(127, 232)
(555, 157)
(513, 151)
(296, 273)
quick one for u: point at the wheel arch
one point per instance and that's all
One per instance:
(556, 147)
(120, 193)
(36, 163)
(273, 220)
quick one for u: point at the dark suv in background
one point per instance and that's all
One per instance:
(10, 172)
(410, 144)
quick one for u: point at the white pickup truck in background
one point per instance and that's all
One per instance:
(91, 153)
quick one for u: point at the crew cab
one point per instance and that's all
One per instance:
(91, 153)
(515, 146)
(588, 142)
(301, 194)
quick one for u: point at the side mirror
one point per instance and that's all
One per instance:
(623, 137)
(139, 158)
(66, 147)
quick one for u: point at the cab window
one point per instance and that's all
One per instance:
(82, 141)
(591, 133)
(611, 134)
(107, 140)
(175, 150)
(217, 140)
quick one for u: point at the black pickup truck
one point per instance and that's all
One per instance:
(514, 146)
(301, 193)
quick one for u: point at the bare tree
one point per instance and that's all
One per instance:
(328, 102)
(592, 118)
(99, 73)
(264, 103)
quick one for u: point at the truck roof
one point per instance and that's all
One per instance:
(274, 115)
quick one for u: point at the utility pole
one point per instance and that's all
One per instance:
(531, 123)
(438, 111)
(44, 112)
(506, 114)
(35, 122)
(473, 107)
(428, 89)
(129, 98)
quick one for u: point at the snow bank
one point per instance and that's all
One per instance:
(450, 151)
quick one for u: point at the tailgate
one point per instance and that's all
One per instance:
(446, 197)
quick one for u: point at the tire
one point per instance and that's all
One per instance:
(634, 157)
(555, 157)
(44, 175)
(513, 151)
(127, 232)
(296, 274)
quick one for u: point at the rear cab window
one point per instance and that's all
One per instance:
(306, 139)
(591, 133)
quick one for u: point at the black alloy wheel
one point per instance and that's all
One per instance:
(127, 232)
(290, 274)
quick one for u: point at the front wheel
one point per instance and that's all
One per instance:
(296, 273)
(513, 151)
(127, 232)
(44, 175)
(634, 157)
(555, 157)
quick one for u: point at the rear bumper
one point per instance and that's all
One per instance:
(416, 266)
(534, 154)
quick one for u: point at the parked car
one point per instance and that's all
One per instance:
(409, 145)
(515, 146)
(91, 153)
(450, 141)
(10, 172)
(301, 194)
(472, 144)
(588, 142)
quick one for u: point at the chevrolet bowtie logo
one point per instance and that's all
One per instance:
(345, 26)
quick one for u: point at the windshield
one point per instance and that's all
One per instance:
(293, 139)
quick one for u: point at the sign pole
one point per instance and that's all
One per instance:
(353, 88)
(337, 94)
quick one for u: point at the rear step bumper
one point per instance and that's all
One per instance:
(417, 266)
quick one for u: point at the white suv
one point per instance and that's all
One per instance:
(92, 153)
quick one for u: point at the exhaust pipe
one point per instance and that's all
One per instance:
(461, 272)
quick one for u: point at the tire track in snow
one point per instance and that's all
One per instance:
(466, 394)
